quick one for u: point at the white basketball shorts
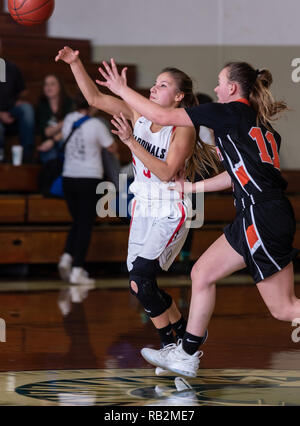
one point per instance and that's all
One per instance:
(159, 235)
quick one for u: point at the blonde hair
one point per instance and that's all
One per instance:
(204, 161)
(255, 86)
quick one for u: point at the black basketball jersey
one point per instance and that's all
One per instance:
(249, 153)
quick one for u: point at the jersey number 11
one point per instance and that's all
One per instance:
(257, 135)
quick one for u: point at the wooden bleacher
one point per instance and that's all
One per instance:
(33, 229)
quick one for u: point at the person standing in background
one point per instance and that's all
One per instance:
(82, 172)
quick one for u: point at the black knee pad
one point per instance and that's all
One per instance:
(167, 298)
(151, 297)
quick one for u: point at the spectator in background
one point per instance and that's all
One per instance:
(82, 172)
(53, 106)
(16, 115)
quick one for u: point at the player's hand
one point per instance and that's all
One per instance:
(124, 131)
(176, 186)
(179, 183)
(68, 55)
(46, 146)
(115, 82)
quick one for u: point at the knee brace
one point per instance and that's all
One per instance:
(167, 298)
(154, 301)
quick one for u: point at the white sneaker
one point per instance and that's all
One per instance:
(65, 266)
(161, 371)
(80, 276)
(159, 356)
(174, 358)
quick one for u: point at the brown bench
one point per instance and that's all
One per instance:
(19, 178)
(12, 209)
(40, 235)
(42, 210)
(36, 244)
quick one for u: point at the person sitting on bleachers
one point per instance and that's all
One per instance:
(16, 115)
(53, 106)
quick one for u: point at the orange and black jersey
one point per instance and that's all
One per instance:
(249, 153)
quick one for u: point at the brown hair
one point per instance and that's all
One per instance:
(62, 95)
(255, 86)
(204, 157)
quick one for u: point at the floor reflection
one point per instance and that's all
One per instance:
(97, 333)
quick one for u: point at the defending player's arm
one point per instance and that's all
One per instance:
(181, 147)
(94, 97)
(117, 83)
(220, 182)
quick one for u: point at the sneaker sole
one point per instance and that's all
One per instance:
(148, 359)
(183, 373)
(161, 371)
(164, 367)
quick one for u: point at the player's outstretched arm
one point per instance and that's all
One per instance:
(118, 85)
(90, 91)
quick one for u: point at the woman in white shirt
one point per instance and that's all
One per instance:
(82, 172)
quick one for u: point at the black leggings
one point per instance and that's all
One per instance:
(81, 198)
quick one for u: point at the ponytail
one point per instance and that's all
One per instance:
(262, 101)
(255, 86)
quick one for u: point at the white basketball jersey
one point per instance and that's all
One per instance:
(146, 184)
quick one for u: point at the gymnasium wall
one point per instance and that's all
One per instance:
(198, 36)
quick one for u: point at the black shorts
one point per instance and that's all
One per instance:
(263, 234)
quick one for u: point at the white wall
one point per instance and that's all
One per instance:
(178, 22)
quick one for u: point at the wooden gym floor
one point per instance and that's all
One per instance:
(73, 345)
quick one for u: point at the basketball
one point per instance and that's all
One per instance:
(31, 12)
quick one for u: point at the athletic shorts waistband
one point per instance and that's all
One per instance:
(252, 199)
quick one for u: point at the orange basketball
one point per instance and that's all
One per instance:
(31, 12)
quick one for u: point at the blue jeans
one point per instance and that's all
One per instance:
(24, 126)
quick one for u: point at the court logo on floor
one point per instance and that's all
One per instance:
(141, 387)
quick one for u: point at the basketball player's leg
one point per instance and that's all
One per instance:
(217, 262)
(175, 232)
(145, 262)
(156, 302)
(278, 294)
